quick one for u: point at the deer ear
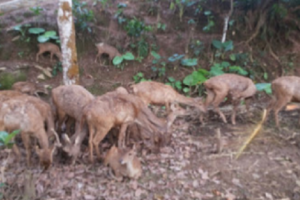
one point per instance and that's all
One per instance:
(66, 138)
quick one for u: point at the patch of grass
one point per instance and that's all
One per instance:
(8, 79)
(96, 90)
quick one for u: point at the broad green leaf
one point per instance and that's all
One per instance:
(225, 64)
(265, 75)
(203, 71)
(168, 84)
(117, 60)
(171, 79)
(231, 22)
(189, 62)
(178, 85)
(11, 136)
(217, 44)
(155, 55)
(232, 57)
(207, 12)
(172, 6)
(175, 57)
(186, 90)
(140, 74)
(128, 56)
(42, 39)
(264, 87)
(36, 30)
(2, 185)
(238, 69)
(194, 78)
(216, 71)
(17, 28)
(228, 45)
(3, 136)
(50, 34)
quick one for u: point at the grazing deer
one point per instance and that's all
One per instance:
(233, 85)
(48, 47)
(156, 93)
(17, 114)
(43, 107)
(106, 49)
(285, 89)
(105, 112)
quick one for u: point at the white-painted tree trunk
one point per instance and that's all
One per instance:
(226, 21)
(68, 43)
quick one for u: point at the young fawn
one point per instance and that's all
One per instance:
(106, 49)
(48, 47)
(235, 86)
(123, 162)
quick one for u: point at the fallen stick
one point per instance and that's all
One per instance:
(255, 132)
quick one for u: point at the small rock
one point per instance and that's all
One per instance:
(2, 68)
(41, 77)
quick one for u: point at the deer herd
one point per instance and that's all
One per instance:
(73, 115)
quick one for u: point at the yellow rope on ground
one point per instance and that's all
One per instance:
(255, 132)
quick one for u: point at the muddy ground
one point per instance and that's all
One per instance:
(199, 163)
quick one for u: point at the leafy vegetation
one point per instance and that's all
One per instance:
(83, 15)
(117, 61)
(8, 79)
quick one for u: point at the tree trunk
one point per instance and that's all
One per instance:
(226, 21)
(68, 43)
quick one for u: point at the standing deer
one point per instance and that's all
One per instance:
(233, 85)
(285, 89)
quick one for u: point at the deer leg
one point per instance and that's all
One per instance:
(37, 56)
(122, 135)
(234, 108)
(26, 142)
(91, 150)
(209, 98)
(98, 54)
(100, 134)
(17, 152)
(219, 97)
(280, 103)
(51, 56)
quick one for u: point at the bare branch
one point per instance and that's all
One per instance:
(226, 20)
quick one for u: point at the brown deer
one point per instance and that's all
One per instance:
(43, 107)
(123, 162)
(17, 114)
(235, 86)
(28, 88)
(106, 49)
(156, 93)
(285, 89)
(48, 47)
(68, 101)
(105, 112)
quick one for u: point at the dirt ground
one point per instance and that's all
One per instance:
(199, 163)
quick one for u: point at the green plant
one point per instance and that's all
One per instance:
(57, 68)
(36, 10)
(159, 66)
(119, 59)
(83, 15)
(22, 30)
(6, 138)
(174, 83)
(197, 47)
(135, 27)
(210, 21)
(139, 77)
(6, 142)
(189, 62)
(161, 26)
(8, 79)
(119, 13)
(266, 87)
